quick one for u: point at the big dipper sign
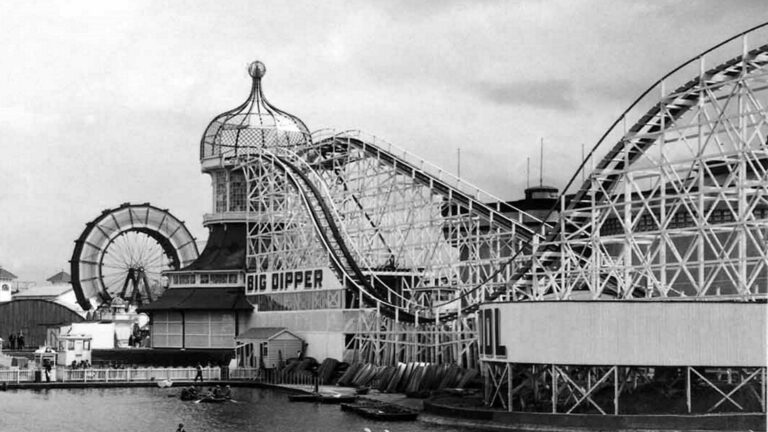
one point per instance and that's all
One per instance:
(291, 280)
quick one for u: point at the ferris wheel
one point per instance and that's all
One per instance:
(124, 252)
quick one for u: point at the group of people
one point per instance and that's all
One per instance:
(84, 364)
(16, 340)
(218, 392)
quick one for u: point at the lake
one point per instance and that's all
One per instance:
(150, 409)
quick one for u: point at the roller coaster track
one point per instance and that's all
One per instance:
(342, 142)
(342, 259)
(494, 216)
(642, 135)
(329, 227)
(664, 115)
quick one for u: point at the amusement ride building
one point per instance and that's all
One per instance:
(368, 253)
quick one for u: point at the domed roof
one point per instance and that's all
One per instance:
(254, 125)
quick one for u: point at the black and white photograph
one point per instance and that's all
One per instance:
(383, 215)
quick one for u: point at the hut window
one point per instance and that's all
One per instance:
(86, 345)
(70, 345)
(5, 287)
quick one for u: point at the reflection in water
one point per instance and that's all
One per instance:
(158, 410)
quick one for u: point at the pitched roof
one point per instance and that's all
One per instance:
(263, 333)
(226, 298)
(5, 274)
(224, 250)
(60, 277)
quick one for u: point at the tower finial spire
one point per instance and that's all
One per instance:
(257, 69)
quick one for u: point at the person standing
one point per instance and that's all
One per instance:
(199, 373)
(20, 340)
(12, 340)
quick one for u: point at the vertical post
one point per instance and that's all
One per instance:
(510, 389)
(458, 162)
(615, 390)
(701, 210)
(764, 384)
(626, 285)
(377, 334)
(541, 162)
(565, 266)
(688, 388)
(663, 236)
(594, 274)
(743, 149)
(554, 389)
(528, 173)
(437, 335)
(487, 380)
(396, 336)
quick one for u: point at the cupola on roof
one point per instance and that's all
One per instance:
(254, 125)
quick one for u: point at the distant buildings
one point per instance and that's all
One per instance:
(6, 284)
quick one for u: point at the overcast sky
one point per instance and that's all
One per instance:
(104, 102)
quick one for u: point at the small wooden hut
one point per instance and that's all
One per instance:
(266, 346)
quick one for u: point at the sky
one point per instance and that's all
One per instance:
(103, 103)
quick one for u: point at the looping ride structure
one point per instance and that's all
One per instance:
(124, 252)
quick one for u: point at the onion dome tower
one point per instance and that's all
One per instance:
(234, 135)
(252, 126)
(228, 141)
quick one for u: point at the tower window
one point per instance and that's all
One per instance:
(237, 191)
(220, 191)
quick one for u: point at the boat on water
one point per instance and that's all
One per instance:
(211, 399)
(322, 398)
(380, 411)
(217, 395)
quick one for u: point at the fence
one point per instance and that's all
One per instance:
(16, 375)
(267, 376)
(271, 376)
(112, 375)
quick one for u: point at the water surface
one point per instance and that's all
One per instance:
(151, 409)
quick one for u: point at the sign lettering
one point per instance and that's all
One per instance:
(292, 280)
(490, 329)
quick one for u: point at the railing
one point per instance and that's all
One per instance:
(271, 376)
(138, 374)
(266, 376)
(16, 375)
(112, 375)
